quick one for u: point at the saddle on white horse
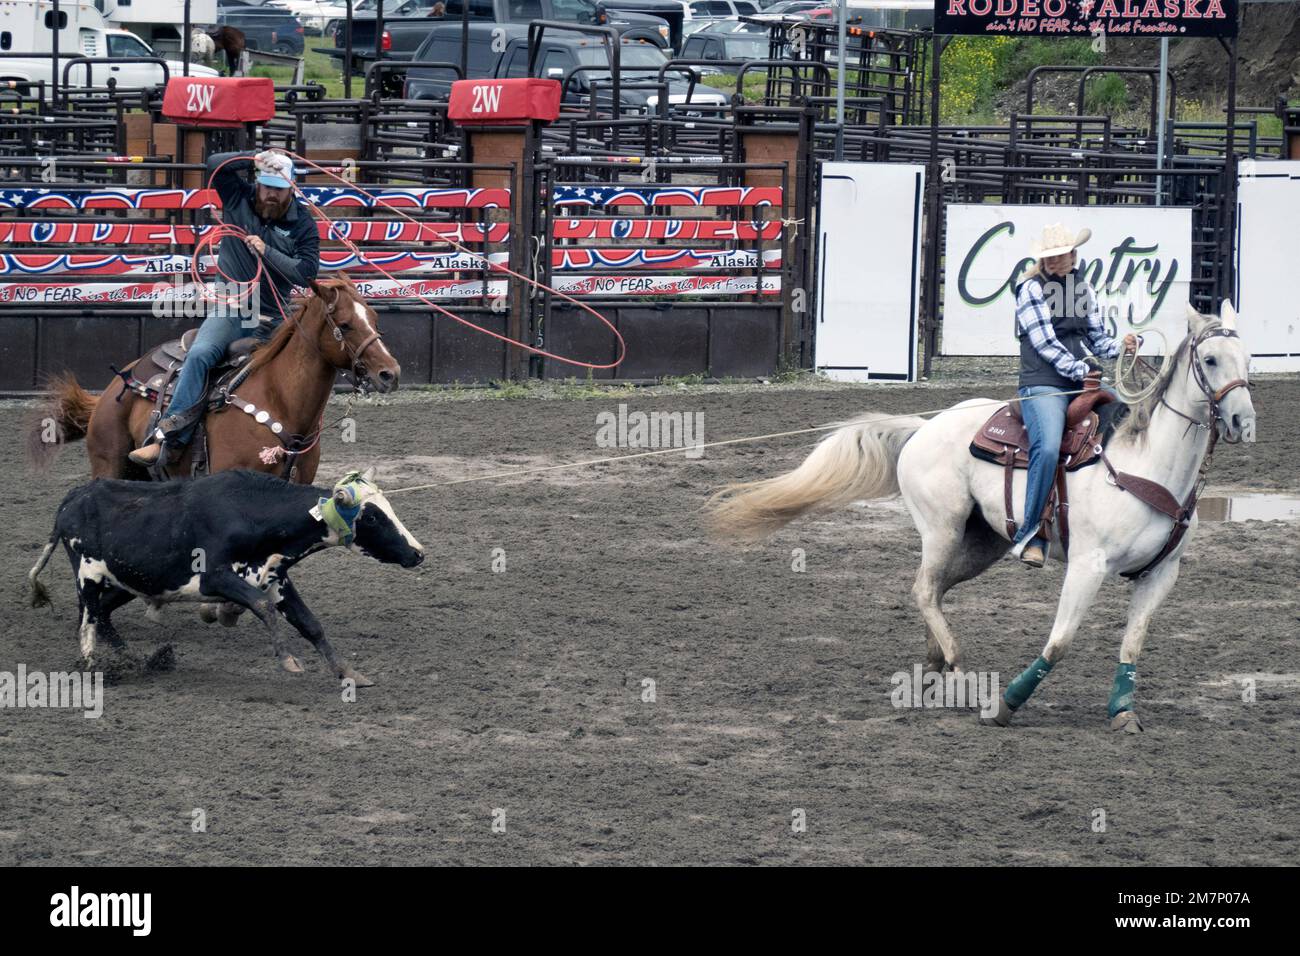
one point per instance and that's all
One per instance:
(1089, 422)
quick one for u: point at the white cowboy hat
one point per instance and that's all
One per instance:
(1056, 240)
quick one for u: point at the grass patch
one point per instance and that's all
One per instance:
(976, 69)
(1107, 95)
(317, 68)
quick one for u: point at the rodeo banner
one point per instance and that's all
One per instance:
(1115, 18)
(1138, 261)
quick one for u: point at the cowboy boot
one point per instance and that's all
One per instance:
(146, 455)
(1033, 556)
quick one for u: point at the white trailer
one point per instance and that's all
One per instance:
(27, 26)
(158, 22)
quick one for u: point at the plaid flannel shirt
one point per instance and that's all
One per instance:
(1034, 318)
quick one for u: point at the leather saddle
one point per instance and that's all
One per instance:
(169, 357)
(153, 377)
(1005, 432)
(1090, 421)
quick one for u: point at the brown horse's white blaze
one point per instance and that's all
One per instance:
(951, 496)
(291, 377)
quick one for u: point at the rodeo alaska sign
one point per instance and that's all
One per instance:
(1154, 18)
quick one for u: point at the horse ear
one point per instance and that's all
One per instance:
(1195, 321)
(327, 294)
(1228, 315)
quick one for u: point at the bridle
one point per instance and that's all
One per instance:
(360, 374)
(1156, 495)
(1197, 372)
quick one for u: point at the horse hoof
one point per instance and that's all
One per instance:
(208, 613)
(1127, 721)
(358, 678)
(1000, 719)
(291, 664)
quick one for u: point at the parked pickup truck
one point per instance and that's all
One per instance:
(403, 36)
(267, 27)
(365, 10)
(24, 73)
(559, 57)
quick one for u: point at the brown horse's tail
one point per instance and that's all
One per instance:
(64, 417)
(856, 461)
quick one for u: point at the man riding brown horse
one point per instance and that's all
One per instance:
(279, 232)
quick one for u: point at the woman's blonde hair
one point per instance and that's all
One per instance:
(1038, 268)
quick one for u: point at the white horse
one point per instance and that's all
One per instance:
(201, 45)
(957, 503)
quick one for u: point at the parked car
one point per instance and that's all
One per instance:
(266, 27)
(790, 9)
(366, 10)
(727, 40)
(711, 11)
(893, 14)
(559, 57)
(314, 14)
(402, 37)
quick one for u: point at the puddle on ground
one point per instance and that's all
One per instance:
(1249, 508)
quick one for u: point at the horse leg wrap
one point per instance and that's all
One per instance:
(1121, 694)
(1019, 690)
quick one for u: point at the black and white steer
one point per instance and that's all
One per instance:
(241, 530)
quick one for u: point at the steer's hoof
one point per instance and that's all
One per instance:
(1126, 721)
(291, 664)
(208, 613)
(358, 678)
(1000, 719)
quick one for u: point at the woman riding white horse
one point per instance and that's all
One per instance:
(1058, 321)
(1131, 514)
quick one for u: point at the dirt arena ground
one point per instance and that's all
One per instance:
(522, 691)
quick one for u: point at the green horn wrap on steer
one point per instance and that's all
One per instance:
(340, 510)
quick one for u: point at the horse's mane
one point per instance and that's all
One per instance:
(268, 350)
(1135, 424)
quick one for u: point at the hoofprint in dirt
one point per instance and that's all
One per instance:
(517, 696)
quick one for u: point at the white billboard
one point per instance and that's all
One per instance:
(1267, 216)
(1139, 261)
(869, 246)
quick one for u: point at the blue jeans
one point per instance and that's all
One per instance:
(1044, 419)
(215, 335)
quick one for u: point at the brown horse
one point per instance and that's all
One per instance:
(290, 378)
(229, 40)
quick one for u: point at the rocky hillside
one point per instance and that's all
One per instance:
(1269, 64)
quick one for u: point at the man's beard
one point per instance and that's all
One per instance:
(271, 209)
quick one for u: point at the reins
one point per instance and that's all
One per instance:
(1155, 495)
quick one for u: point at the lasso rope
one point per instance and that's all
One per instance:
(491, 267)
(518, 473)
(224, 230)
(1133, 396)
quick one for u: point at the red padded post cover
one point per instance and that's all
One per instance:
(504, 102)
(219, 102)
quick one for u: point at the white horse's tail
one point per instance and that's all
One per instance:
(857, 461)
